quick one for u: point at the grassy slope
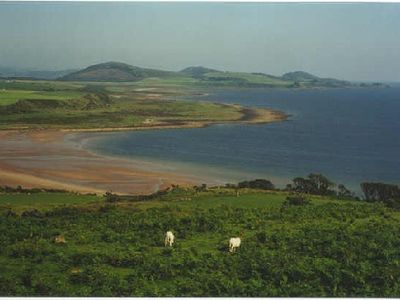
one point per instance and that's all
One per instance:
(177, 82)
(328, 248)
(248, 78)
(223, 79)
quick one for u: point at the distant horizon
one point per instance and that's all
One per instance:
(22, 69)
(349, 41)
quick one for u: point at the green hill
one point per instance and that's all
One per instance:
(215, 77)
(303, 78)
(292, 79)
(201, 76)
(299, 76)
(197, 71)
(115, 71)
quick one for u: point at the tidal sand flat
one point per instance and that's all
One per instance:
(56, 159)
(43, 159)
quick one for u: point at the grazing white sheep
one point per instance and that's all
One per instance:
(234, 243)
(169, 239)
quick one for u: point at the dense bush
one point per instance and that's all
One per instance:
(20, 189)
(382, 192)
(316, 184)
(261, 184)
(110, 197)
(296, 200)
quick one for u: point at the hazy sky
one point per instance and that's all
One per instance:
(349, 41)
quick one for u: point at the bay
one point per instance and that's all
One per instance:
(349, 135)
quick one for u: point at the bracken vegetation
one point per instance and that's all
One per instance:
(293, 244)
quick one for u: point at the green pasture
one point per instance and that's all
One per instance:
(167, 82)
(39, 85)
(89, 110)
(101, 105)
(11, 96)
(231, 79)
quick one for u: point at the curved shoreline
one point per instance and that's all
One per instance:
(250, 116)
(43, 158)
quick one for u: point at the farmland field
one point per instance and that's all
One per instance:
(55, 105)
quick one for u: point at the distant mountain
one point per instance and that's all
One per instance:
(301, 78)
(197, 71)
(115, 71)
(37, 74)
(120, 72)
(226, 78)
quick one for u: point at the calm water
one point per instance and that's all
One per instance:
(349, 135)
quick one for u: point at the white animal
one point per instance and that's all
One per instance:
(169, 239)
(234, 243)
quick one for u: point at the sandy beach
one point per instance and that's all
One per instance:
(46, 159)
(43, 159)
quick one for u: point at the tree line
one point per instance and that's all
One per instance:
(313, 184)
(318, 184)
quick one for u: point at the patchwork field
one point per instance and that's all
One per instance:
(69, 105)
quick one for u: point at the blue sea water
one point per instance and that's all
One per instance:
(349, 135)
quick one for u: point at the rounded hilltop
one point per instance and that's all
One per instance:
(115, 72)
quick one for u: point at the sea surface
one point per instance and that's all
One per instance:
(349, 135)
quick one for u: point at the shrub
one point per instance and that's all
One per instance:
(33, 213)
(296, 200)
(389, 194)
(261, 236)
(261, 184)
(110, 197)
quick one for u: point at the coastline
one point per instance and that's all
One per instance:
(250, 116)
(43, 158)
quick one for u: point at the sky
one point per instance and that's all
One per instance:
(359, 41)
